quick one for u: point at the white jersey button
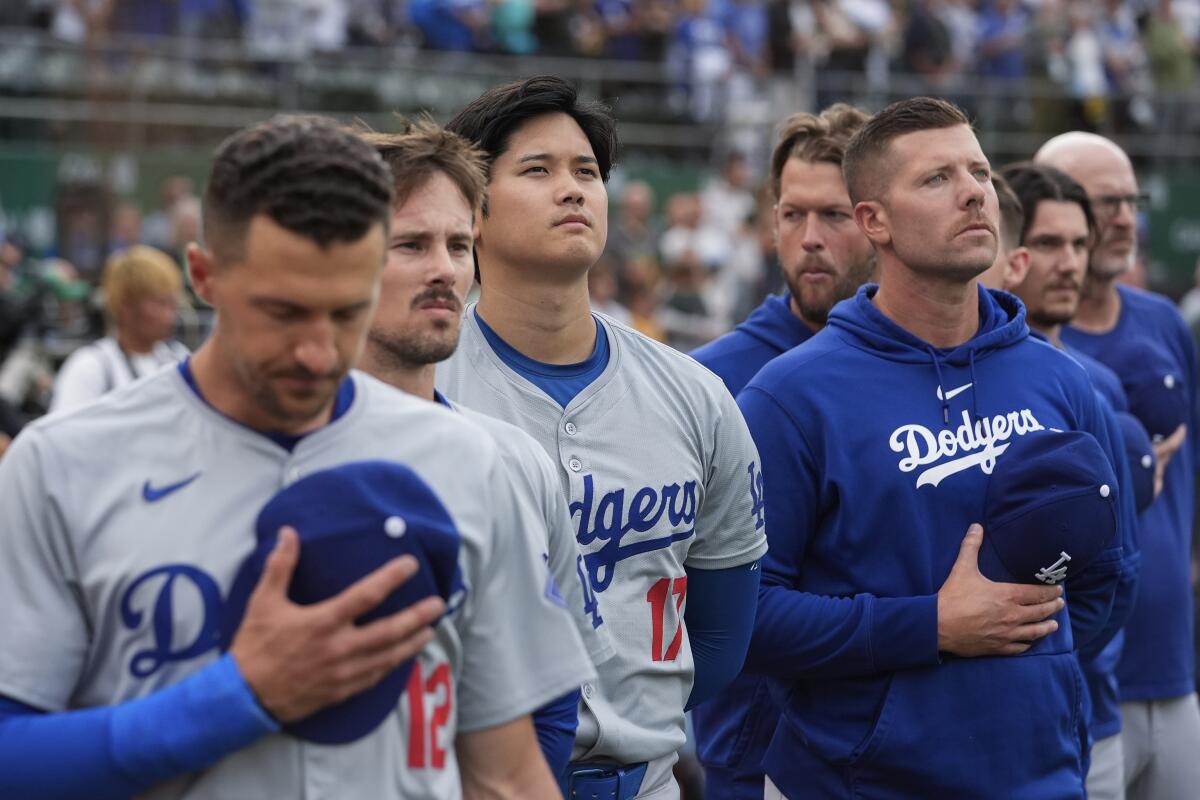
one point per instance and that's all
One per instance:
(293, 474)
(570, 428)
(575, 464)
(587, 691)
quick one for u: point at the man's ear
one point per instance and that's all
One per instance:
(872, 219)
(201, 269)
(1016, 268)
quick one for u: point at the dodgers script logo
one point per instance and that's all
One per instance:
(974, 443)
(611, 519)
(157, 591)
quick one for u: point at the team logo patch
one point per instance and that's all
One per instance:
(757, 506)
(1056, 572)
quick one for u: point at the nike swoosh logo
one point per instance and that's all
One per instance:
(152, 494)
(953, 393)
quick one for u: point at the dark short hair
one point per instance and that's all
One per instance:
(307, 174)
(1012, 213)
(490, 119)
(1034, 183)
(816, 138)
(421, 149)
(863, 165)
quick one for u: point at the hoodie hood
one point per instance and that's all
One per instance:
(1001, 324)
(774, 324)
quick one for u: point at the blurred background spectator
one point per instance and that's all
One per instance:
(141, 290)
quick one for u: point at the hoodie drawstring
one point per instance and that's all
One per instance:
(974, 384)
(937, 366)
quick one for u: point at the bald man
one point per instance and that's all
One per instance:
(1125, 328)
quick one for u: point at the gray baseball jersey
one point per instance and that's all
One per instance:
(661, 474)
(552, 534)
(113, 585)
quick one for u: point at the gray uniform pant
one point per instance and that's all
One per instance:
(1106, 776)
(1161, 741)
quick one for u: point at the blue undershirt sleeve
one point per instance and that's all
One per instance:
(555, 724)
(118, 751)
(720, 620)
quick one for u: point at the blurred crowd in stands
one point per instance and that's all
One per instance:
(1092, 49)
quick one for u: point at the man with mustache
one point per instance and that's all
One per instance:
(655, 460)
(1123, 328)
(825, 258)
(901, 669)
(439, 181)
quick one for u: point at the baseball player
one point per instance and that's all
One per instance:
(1120, 327)
(825, 257)
(439, 181)
(123, 524)
(1053, 233)
(902, 670)
(662, 478)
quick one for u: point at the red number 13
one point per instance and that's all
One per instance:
(657, 597)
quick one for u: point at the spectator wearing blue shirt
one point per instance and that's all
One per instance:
(453, 25)
(1002, 29)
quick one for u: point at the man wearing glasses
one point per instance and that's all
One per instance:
(1128, 329)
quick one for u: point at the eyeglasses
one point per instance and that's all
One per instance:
(1109, 204)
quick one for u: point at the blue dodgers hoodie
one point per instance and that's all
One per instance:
(876, 449)
(1158, 659)
(734, 728)
(770, 330)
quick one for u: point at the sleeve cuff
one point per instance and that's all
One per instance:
(904, 632)
(232, 687)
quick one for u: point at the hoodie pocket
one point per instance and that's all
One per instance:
(980, 727)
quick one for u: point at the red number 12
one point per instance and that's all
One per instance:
(417, 728)
(657, 597)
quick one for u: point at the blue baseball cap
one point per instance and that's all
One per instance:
(1156, 391)
(1140, 454)
(1049, 509)
(351, 520)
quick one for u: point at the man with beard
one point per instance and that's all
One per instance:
(823, 255)
(1126, 329)
(825, 258)
(891, 653)
(439, 182)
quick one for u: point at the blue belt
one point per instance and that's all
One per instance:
(584, 781)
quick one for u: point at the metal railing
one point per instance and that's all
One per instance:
(134, 92)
